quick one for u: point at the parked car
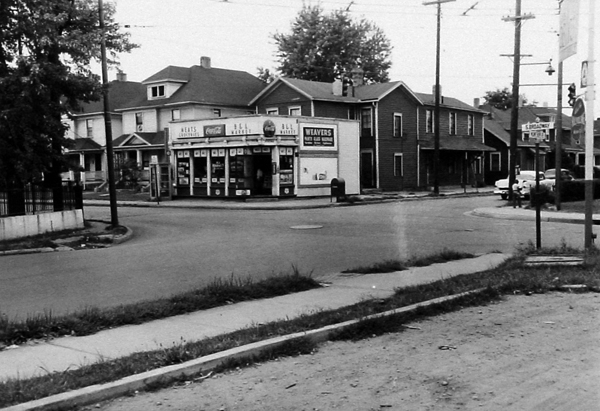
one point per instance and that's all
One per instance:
(524, 179)
(550, 181)
(578, 172)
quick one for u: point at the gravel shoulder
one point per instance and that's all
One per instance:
(536, 352)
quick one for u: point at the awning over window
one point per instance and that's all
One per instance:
(455, 143)
(84, 144)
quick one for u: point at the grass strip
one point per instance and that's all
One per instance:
(91, 320)
(510, 278)
(219, 292)
(389, 266)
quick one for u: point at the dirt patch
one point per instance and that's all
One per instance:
(96, 234)
(535, 352)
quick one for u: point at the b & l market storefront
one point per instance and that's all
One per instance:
(258, 155)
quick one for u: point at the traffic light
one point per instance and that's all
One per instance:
(572, 94)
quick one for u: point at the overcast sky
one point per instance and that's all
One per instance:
(237, 34)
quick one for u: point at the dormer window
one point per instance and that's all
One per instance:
(158, 91)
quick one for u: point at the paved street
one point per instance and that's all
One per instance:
(174, 250)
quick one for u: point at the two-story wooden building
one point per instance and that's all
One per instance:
(141, 112)
(396, 129)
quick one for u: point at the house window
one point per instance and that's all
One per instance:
(366, 122)
(452, 123)
(494, 161)
(139, 122)
(175, 114)
(397, 125)
(89, 127)
(295, 111)
(217, 112)
(273, 111)
(398, 165)
(158, 91)
(429, 123)
(471, 124)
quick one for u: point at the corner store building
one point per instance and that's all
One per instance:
(262, 155)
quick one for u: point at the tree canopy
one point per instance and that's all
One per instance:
(501, 99)
(324, 47)
(46, 51)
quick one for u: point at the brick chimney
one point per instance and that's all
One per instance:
(205, 62)
(121, 76)
(358, 76)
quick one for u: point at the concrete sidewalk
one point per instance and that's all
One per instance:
(68, 353)
(526, 214)
(294, 202)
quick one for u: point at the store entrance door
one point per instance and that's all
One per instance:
(263, 177)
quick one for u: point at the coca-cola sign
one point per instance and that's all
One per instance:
(214, 130)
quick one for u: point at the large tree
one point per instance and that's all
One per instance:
(501, 99)
(47, 48)
(324, 47)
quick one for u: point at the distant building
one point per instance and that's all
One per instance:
(497, 135)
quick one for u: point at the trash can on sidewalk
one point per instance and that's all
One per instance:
(338, 189)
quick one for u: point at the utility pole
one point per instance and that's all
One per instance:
(436, 138)
(590, 96)
(558, 137)
(114, 218)
(514, 116)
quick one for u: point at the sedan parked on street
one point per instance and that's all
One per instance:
(523, 179)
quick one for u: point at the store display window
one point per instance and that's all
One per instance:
(183, 168)
(286, 165)
(200, 168)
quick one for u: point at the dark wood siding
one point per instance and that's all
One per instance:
(331, 109)
(406, 144)
(283, 98)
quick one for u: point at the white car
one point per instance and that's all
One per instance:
(525, 179)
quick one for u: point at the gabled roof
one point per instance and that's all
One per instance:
(322, 91)
(497, 130)
(527, 114)
(170, 73)
(139, 139)
(448, 102)
(214, 86)
(120, 95)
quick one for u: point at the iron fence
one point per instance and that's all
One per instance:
(34, 199)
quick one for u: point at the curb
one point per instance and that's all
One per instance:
(519, 217)
(103, 392)
(116, 239)
(289, 206)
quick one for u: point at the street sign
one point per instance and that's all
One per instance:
(538, 135)
(538, 125)
(584, 74)
(578, 120)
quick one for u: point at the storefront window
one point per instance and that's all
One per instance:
(218, 170)
(183, 171)
(200, 170)
(286, 163)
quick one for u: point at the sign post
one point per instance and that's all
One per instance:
(590, 96)
(537, 132)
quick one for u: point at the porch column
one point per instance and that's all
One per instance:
(82, 173)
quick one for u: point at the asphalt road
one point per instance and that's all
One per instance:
(175, 250)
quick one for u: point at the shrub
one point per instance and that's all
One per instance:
(575, 190)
